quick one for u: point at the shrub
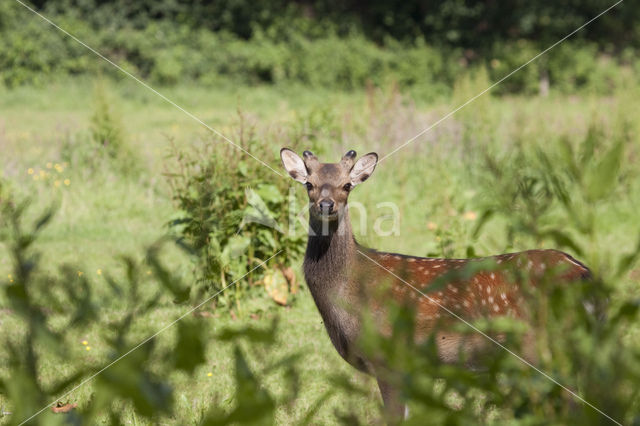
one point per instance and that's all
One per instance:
(234, 213)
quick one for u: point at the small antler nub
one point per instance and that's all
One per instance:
(348, 159)
(310, 160)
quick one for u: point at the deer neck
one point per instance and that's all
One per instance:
(329, 259)
(331, 248)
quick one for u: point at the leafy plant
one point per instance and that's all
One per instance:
(235, 213)
(53, 309)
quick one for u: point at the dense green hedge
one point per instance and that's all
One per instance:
(446, 23)
(170, 51)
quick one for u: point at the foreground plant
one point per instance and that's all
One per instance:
(53, 309)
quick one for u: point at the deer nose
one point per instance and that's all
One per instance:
(326, 205)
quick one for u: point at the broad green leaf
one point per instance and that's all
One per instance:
(189, 349)
(270, 193)
(253, 334)
(236, 246)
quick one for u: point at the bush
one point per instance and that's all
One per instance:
(235, 214)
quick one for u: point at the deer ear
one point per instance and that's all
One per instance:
(294, 165)
(363, 168)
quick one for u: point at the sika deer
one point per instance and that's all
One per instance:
(338, 271)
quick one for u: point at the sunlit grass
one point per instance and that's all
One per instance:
(103, 213)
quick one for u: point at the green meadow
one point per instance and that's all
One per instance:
(442, 184)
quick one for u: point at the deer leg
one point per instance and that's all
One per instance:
(394, 407)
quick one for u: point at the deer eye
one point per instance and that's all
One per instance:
(347, 187)
(309, 186)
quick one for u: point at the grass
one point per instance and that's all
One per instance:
(104, 213)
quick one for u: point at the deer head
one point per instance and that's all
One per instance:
(328, 184)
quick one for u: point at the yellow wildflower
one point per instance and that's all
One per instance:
(88, 348)
(49, 165)
(67, 182)
(84, 342)
(58, 168)
(209, 374)
(30, 171)
(99, 272)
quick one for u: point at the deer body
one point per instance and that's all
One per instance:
(344, 277)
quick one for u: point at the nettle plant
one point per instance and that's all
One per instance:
(234, 215)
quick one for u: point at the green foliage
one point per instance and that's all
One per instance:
(451, 23)
(108, 133)
(51, 309)
(235, 212)
(169, 43)
(541, 183)
(41, 300)
(106, 127)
